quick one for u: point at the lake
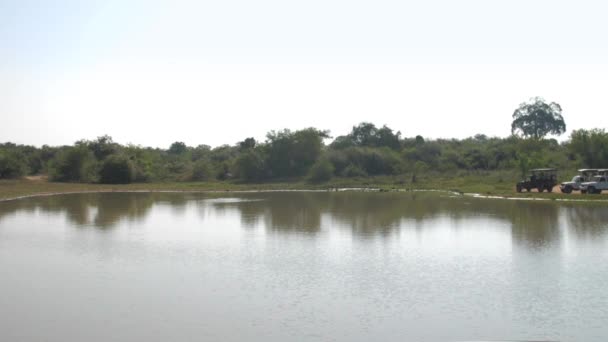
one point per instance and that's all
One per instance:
(301, 266)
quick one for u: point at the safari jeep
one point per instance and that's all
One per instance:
(595, 186)
(540, 179)
(575, 184)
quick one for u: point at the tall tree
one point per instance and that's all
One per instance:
(177, 148)
(368, 135)
(293, 153)
(536, 119)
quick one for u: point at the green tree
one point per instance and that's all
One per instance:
(201, 171)
(102, 147)
(74, 164)
(368, 135)
(201, 152)
(590, 147)
(293, 153)
(537, 118)
(11, 165)
(321, 171)
(147, 162)
(386, 138)
(178, 148)
(364, 134)
(248, 143)
(117, 169)
(250, 165)
(373, 161)
(353, 171)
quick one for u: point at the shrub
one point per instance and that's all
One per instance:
(11, 166)
(74, 164)
(339, 160)
(353, 171)
(117, 169)
(201, 170)
(250, 166)
(176, 168)
(321, 171)
(375, 161)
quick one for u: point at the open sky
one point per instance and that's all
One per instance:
(214, 72)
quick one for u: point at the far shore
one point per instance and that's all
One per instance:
(39, 186)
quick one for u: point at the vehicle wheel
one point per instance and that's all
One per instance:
(591, 190)
(567, 189)
(598, 191)
(540, 189)
(518, 188)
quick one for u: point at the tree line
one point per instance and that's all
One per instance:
(312, 154)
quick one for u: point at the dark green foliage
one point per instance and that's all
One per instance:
(101, 147)
(342, 142)
(74, 164)
(24, 159)
(537, 118)
(364, 134)
(293, 153)
(386, 138)
(428, 152)
(338, 159)
(117, 169)
(321, 171)
(223, 154)
(248, 143)
(11, 165)
(146, 161)
(201, 171)
(177, 148)
(368, 135)
(382, 161)
(250, 166)
(177, 169)
(353, 171)
(373, 161)
(590, 147)
(201, 152)
(223, 171)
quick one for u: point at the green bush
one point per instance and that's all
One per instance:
(375, 161)
(321, 171)
(353, 171)
(74, 164)
(250, 166)
(11, 166)
(176, 168)
(117, 169)
(201, 171)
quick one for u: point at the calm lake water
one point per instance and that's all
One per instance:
(301, 266)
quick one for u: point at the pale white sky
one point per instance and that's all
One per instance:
(215, 72)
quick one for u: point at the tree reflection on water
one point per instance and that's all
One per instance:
(365, 214)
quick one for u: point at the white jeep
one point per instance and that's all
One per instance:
(595, 186)
(575, 184)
